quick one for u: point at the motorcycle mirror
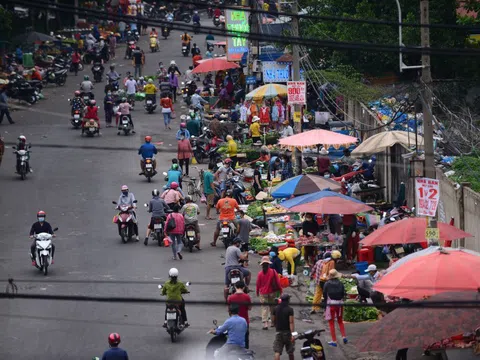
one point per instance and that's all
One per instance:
(160, 286)
(205, 128)
(188, 283)
(135, 201)
(114, 202)
(192, 137)
(146, 205)
(56, 229)
(164, 173)
(384, 215)
(392, 219)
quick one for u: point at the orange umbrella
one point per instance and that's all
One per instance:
(439, 272)
(214, 64)
(410, 231)
(317, 137)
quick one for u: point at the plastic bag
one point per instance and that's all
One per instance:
(203, 199)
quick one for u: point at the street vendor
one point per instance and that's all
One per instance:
(310, 226)
(320, 273)
(323, 162)
(365, 282)
(257, 177)
(255, 129)
(292, 256)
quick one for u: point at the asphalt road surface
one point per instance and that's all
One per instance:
(75, 180)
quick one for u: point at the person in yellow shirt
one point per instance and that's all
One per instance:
(150, 91)
(232, 150)
(292, 256)
(255, 129)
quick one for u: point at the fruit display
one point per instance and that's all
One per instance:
(271, 209)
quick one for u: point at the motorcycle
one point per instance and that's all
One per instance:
(43, 251)
(227, 233)
(153, 44)
(165, 32)
(196, 27)
(125, 125)
(216, 21)
(185, 50)
(210, 12)
(53, 76)
(215, 159)
(158, 232)
(198, 148)
(238, 189)
(124, 220)
(76, 118)
(190, 237)
(20, 89)
(23, 165)
(149, 105)
(174, 318)
(210, 46)
(218, 341)
(312, 348)
(149, 171)
(97, 71)
(131, 46)
(234, 276)
(184, 16)
(90, 128)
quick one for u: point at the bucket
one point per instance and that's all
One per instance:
(166, 241)
(361, 267)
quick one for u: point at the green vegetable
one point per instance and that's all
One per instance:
(281, 231)
(259, 244)
(248, 142)
(358, 314)
(255, 209)
(348, 283)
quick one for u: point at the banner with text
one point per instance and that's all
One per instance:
(427, 194)
(297, 92)
(237, 20)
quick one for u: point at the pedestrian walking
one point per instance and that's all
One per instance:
(173, 79)
(138, 61)
(321, 273)
(108, 106)
(268, 283)
(184, 153)
(334, 294)
(4, 106)
(175, 227)
(112, 42)
(167, 110)
(285, 326)
(209, 189)
(244, 303)
(76, 58)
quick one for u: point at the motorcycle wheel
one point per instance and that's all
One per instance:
(190, 189)
(159, 238)
(23, 172)
(32, 100)
(124, 234)
(173, 335)
(45, 265)
(199, 157)
(149, 179)
(61, 80)
(80, 66)
(126, 132)
(187, 18)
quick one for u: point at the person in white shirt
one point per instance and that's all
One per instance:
(188, 74)
(131, 86)
(287, 129)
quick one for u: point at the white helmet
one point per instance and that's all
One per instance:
(172, 62)
(173, 272)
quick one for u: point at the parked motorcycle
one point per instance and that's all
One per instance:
(149, 171)
(90, 128)
(53, 76)
(43, 251)
(236, 185)
(235, 354)
(174, 318)
(20, 89)
(184, 16)
(191, 237)
(150, 106)
(23, 165)
(124, 221)
(198, 148)
(312, 348)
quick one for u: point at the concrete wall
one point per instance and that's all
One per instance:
(471, 201)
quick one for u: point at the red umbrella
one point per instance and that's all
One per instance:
(422, 326)
(432, 274)
(215, 64)
(317, 137)
(410, 231)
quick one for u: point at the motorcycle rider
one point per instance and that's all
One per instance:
(196, 18)
(183, 132)
(124, 109)
(233, 255)
(197, 100)
(114, 353)
(22, 145)
(236, 327)
(153, 33)
(86, 87)
(113, 76)
(100, 65)
(226, 208)
(151, 91)
(161, 72)
(108, 107)
(40, 226)
(158, 208)
(141, 84)
(174, 68)
(195, 50)
(188, 74)
(190, 213)
(127, 198)
(223, 173)
(186, 40)
(77, 102)
(147, 151)
(174, 289)
(91, 112)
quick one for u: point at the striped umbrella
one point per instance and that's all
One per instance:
(267, 92)
(304, 184)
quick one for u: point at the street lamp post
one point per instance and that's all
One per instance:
(400, 42)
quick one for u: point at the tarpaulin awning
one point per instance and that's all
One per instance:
(380, 142)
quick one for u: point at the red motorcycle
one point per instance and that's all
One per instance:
(125, 221)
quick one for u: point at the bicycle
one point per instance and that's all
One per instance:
(195, 187)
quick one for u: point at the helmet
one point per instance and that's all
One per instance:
(148, 138)
(172, 62)
(228, 193)
(336, 254)
(173, 185)
(153, 29)
(155, 192)
(112, 67)
(114, 339)
(77, 93)
(86, 78)
(41, 213)
(141, 78)
(188, 198)
(183, 125)
(59, 37)
(93, 102)
(237, 240)
(124, 99)
(173, 272)
(124, 188)
(175, 166)
(22, 138)
(227, 161)
(150, 81)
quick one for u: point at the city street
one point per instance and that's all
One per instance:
(75, 180)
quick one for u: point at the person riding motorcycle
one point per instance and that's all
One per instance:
(77, 102)
(158, 208)
(124, 109)
(86, 87)
(22, 145)
(183, 132)
(147, 151)
(153, 33)
(190, 213)
(114, 353)
(196, 17)
(186, 40)
(174, 68)
(40, 226)
(150, 91)
(236, 327)
(161, 72)
(195, 50)
(113, 76)
(141, 84)
(127, 198)
(91, 112)
(100, 65)
(174, 289)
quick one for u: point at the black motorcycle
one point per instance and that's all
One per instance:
(175, 323)
(20, 89)
(97, 70)
(235, 354)
(165, 32)
(196, 27)
(150, 105)
(53, 76)
(23, 166)
(312, 348)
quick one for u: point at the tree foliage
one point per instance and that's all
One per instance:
(379, 63)
(5, 23)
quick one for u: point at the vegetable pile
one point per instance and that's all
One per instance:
(358, 314)
(259, 244)
(255, 209)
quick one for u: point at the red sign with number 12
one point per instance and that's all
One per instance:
(427, 194)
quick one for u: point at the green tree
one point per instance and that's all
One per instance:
(5, 23)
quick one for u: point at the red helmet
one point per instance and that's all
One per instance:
(227, 161)
(148, 138)
(77, 93)
(114, 339)
(173, 185)
(41, 213)
(183, 125)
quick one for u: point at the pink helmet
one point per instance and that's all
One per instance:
(183, 125)
(124, 187)
(173, 185)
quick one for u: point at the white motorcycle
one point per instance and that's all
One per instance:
(43, 251)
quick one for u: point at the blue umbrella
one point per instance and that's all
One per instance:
(304, 184)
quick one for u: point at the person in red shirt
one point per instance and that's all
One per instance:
(196, 60)
(217, 12)
(91, 112)
(323, 162)
(245, 304)
(268, 283)
(76, 58)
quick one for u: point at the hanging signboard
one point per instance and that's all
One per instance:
(251, 80)
(297, 92)
(237, 21)
(274, 72)
(427, 194)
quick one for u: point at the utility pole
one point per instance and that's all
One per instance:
(426, 93)
(296, 77)
(253, 44)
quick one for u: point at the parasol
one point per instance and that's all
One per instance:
(267, 92)
(379, 142)
(215, 64)
(304, 184)
(317, 137)
(32, 37)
